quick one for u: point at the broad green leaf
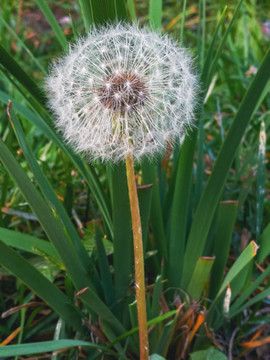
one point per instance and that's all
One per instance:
(264, 242)
(131, 9)
(214, 187)
(28, 243)
(200, 277)
(209, 354)
(156, 332)
(159, 241)
(86, 12)
(49, 346)
(59, 302)
(44, 7)
(158, 287)
(183, 182)
(180, 209)
(157, 357)
(222, 242)
(104, 269)
(145, 197)
(183, 21)
(155, 13)
(122, 230)
(104, 11)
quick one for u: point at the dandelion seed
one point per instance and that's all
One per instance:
(131, 90)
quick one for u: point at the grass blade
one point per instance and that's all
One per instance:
(27, 243)
(44, 7)
(183, 21)
(264, 244)
(155, 13)
(179, 210)
(247, 255)
(49, 346)
(40, 285)
(144, 197)
(47, 189)
(108, 10)
(13, 67)
(56, 235)
(131, 8)
(87, 172)
(122, 256)
(104, 269)
(86, 12)
(259, 297)
(222, 242)
(200, 277)
(221, 46)
(149, 177)
(247, 292)
(213, 190)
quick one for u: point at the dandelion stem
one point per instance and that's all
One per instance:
(138, 258)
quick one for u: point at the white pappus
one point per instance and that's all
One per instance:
(122, 89)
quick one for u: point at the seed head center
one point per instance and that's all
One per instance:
(123, 92)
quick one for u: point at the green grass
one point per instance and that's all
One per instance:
(65, 227)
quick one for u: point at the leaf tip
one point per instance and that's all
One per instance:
(255, 247)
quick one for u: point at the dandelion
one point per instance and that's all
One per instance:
(122, 90)
(123, 93)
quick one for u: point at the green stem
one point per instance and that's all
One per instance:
(138, 258)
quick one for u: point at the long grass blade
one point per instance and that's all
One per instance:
(56, 235)
(86, 12)
(159, 241)
(179, 211)
(221, 46)
(47, 189)
(49, 346)
(264, 242)
(155, 13)
(28, 243)
(122, 231)
(227, 213)
(213, 190)
(246, 256)
(247, 292)
(87, 172)
(13, 67)
(40, 285)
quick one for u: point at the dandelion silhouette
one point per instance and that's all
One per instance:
(122, 90)
(122, 93)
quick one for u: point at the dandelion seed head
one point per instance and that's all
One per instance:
(122, 89)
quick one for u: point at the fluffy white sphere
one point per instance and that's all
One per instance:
(122, 89)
